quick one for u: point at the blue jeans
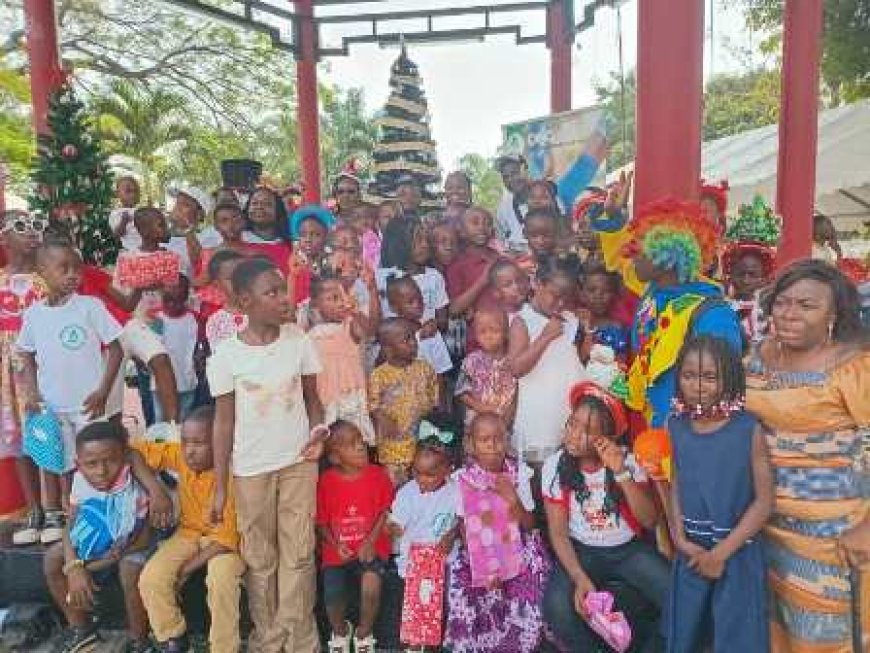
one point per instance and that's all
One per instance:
(637, 575)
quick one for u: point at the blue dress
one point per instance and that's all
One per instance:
(714, 473)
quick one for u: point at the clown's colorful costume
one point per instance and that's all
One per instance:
(673, 235)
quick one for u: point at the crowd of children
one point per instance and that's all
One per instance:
(345, 394)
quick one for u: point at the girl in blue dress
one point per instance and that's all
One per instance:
(722, 496)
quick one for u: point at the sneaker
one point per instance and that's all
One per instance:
(80, 640)
(339, 644)
(175, 645)
(29, 532)
(364, 644)
(52, 530)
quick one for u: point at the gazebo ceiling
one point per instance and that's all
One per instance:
(339, 24)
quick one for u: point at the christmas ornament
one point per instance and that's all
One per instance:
(69, 152)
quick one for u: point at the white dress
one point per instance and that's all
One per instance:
(542, 399)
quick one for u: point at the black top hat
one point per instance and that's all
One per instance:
(240, 174)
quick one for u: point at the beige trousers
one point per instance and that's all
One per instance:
(157, 586)
(275, 513)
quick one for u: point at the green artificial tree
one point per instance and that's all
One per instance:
(73, 184)
(405, 146)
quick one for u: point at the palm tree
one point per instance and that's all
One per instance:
(145, 128)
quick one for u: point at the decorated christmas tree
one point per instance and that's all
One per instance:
(405, 145)
(73, 184)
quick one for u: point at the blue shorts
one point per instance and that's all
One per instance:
(339, 582)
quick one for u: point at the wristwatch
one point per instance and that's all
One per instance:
(72, 564)
(624, 476)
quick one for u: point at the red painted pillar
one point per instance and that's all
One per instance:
(798, 127)
(45, 71)
(670, 58)
(560, 38)
(306, 90)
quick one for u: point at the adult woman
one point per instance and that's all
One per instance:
(810, 385)
(266, 226)
(347, 194)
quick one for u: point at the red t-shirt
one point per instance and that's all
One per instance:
(462, 274)
(349, 507)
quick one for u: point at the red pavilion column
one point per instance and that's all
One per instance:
(46, 74)
(306, 93)
(670, 56)
(560, 38)
(798, 127)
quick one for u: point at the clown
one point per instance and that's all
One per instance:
(661, 254)
(748, 260)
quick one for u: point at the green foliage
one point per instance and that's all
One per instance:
(733, 103)
(346, 132)
(846, 49)
(73, 182)
(16, 134)
(485, 180)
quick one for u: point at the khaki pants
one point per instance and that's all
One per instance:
(275, 513)
(157, 586)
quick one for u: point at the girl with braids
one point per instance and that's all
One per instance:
(722, 494)
(598, 501)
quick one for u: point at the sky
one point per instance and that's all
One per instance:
(474, 88)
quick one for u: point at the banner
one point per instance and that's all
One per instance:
(552, 143)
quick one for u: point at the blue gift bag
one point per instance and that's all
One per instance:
(43, 441)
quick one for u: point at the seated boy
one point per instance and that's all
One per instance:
(353, 497)
(107, 530)
(195, 544)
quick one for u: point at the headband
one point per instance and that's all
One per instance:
(614, 406)
(319, 213)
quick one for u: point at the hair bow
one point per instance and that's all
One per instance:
(427, 431)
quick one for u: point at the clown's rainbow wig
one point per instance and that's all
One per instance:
(676, 235)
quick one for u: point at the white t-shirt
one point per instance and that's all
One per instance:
(434, 351)
(208, 238)
(430, 282)
(271, 425)
(508, 228)
(67, 341)
(424, 517)
(130, 239)
(524, 488)
(178, 335)
(589, 524)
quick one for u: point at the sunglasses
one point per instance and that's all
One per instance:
(23, 225)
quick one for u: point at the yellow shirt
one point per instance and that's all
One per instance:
(195, 492)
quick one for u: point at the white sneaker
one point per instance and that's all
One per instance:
(339, 644)
(53, 530)
(364, 644)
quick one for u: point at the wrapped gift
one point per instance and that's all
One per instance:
(148, 269)
(423, 605)
(492, 537)
(610, 626)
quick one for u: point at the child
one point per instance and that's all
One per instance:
(401, 391)
(722, 496)
(467, 281)
(195, 544)
(388, 211)
(230, 224)
(506, 616)
(598, 501)
(20, 287)
(265, 387)
(424, 510)
(353, 499)
(599, 293)
(177, 327)
(62, 333)
(544, 357)
(309, 227)
(826, 247)
(338, 337)
(541, 230)
(510, 285)
(363, 220)
(486, 383)
(226, 321)
(108, 530)
(445, 246)
(457, 194)
(404, 295)
(121, 219)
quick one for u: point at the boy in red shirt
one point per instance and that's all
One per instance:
(353, 498)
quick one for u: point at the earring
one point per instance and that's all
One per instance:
(830, 331)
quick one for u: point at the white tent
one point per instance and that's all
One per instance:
(748, 161)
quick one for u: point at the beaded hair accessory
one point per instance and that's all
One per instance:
(722, 410)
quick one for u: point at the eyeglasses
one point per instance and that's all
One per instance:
(23, 224)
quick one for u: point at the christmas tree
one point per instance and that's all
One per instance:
(73, 184)
(405, 146)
